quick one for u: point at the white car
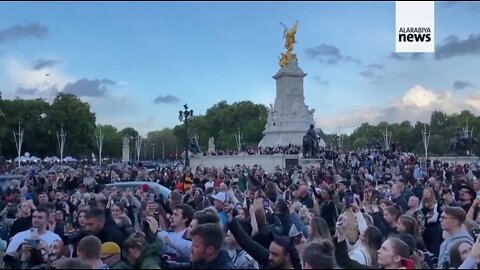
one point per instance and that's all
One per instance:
(165, 192)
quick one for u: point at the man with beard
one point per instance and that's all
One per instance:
(280, 253)
(98, 225)
(207, 248)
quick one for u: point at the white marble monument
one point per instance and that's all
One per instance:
(126, 149)
(289, 118)
(211, 145)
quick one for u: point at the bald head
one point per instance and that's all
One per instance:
(303, 191)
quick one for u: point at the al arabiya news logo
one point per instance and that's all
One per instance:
(414, 34)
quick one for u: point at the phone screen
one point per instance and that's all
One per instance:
(33, 243)
(349, 197)
(266, 204)
(478, 195)
(476, 232)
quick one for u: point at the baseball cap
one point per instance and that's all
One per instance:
(110, 248)
(221, 196)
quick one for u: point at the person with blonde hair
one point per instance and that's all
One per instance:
(432, 212)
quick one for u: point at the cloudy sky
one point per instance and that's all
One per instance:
(138, 63)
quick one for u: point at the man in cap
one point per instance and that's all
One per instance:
(220, 199)
(111, 254)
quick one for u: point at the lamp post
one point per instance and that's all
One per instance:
(61, 142)
(340, 137)
(467, 133)
(19, 140)
(138, 146)
(153, 151)
(238, 140)
(184, 116)
(99, 138)
(426, 141)
(387, 136)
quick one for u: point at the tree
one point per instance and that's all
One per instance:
(222, 121)
(163, 138)
(129, 132)
(78, 123)
(112, 141)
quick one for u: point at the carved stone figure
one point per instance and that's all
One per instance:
(289, 36)
(211, 145)
(462, 145)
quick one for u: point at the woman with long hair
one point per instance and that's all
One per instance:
(391, 215)
(432, 211)
(328, 210)
(318, 229)
(283, 214)
(243, 214)
(118, 211)
(392, 254)
(458, 253)
(79, 223)
(365, 249)
(123, 222)
(407, 224)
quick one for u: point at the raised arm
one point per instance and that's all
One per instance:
(254, 249)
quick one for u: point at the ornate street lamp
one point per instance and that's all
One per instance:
(183, 116)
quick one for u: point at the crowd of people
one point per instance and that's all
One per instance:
(360, 209)
(254, 150)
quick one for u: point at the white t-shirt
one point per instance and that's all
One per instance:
(48, 237)
(209, 184)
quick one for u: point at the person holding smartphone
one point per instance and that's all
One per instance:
(36, 238)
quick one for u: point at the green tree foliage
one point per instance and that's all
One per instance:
(41, 122)
(223, 121)
(129, 132)
(78, 123)
(164, 142)
(112, 141)
(442, 129)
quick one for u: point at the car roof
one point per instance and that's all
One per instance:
(163, 190)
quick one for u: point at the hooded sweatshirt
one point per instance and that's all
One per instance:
(444, 256)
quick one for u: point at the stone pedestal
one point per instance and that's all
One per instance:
(126, 150)
(211, 145)
(459, 160)
(289, 118)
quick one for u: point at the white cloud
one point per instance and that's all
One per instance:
(22, 75)
(419, 97)
(118, 107)
(417, 104)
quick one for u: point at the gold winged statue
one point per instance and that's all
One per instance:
(289, 36)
